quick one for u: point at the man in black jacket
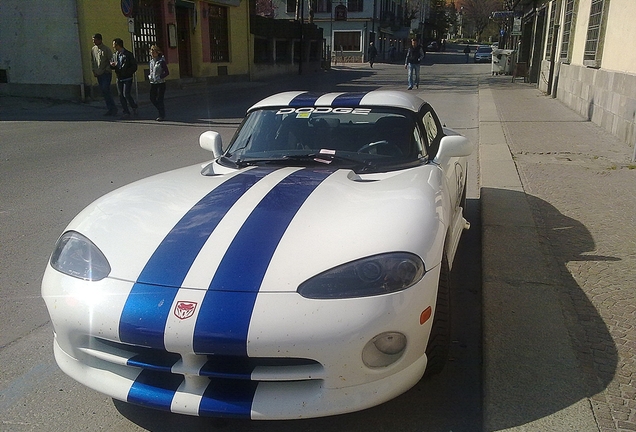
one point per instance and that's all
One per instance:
(414, 56)
(372, 53)
(125, 67)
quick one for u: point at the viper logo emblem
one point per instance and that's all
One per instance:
(184, 309)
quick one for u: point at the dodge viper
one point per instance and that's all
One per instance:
(302, 271)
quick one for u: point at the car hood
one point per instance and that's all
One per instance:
(273, 228)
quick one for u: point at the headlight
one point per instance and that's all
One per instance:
(375, 275)
(77, 256)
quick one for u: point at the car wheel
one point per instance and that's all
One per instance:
(439, 340)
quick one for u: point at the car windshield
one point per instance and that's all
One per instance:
(484, 49)
(363, 139)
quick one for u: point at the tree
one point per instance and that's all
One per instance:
(479, 11)
(441, 18)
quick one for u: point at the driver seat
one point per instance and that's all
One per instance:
(398, 131)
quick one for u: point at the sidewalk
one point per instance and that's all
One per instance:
(557, 356)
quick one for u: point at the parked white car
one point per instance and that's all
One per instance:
(302, 272)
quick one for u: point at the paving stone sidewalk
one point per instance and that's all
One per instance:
(581, 189)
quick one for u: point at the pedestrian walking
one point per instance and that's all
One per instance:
(414, 56)
(372, 53)
(392, 53)
(158, 73)
(125, 67)
(467, 52)
(100, 63)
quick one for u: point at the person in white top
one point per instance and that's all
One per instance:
(158, 73)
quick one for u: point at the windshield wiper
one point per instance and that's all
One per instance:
(317, 158)
(242, 163)
(328, 158)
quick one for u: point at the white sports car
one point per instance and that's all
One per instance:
(303, 272)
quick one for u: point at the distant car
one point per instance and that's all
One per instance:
(433, 46)
(302, 272)
(483, 54)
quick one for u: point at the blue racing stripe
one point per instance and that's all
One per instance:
(225, 313)
(228, 398)
(304, 100)
(144, 315)
(348, 100)
(154, 389)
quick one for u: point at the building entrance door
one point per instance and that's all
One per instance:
(183, 36)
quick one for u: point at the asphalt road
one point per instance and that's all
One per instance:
(57, 158)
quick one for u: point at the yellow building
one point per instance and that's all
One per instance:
(199, 39)
(46, 44)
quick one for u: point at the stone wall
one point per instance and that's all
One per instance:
(607, 98)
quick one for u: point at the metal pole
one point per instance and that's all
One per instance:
(555, 39)
(552, 57)
(132, 47)
(302, 22)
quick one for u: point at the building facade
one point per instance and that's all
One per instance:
(349, 26)
(46, 45)
(579, 52)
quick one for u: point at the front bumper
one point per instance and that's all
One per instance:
(258, 400)
(304, 356)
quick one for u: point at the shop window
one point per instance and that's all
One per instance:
(591, 54)
(347, 41)
(320, 6)
(567, 30)
(147, 30)
(315, 51)
(262, 52)
(283, 51)
(355, 5)
(548, 47)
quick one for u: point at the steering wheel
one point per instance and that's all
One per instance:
(392, 149)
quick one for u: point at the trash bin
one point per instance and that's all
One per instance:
(502, 61)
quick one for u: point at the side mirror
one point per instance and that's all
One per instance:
(453, 146)
(211, 141)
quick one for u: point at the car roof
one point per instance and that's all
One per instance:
(383, 98)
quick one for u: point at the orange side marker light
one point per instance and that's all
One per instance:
(425, 315)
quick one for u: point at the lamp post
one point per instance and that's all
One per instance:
(375, 6)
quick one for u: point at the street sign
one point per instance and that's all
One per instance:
(131, 25)
(516, 27)
(127, 8)
(503, 14)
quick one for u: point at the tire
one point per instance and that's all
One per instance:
(439, 340)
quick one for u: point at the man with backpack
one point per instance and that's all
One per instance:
(125, 66)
